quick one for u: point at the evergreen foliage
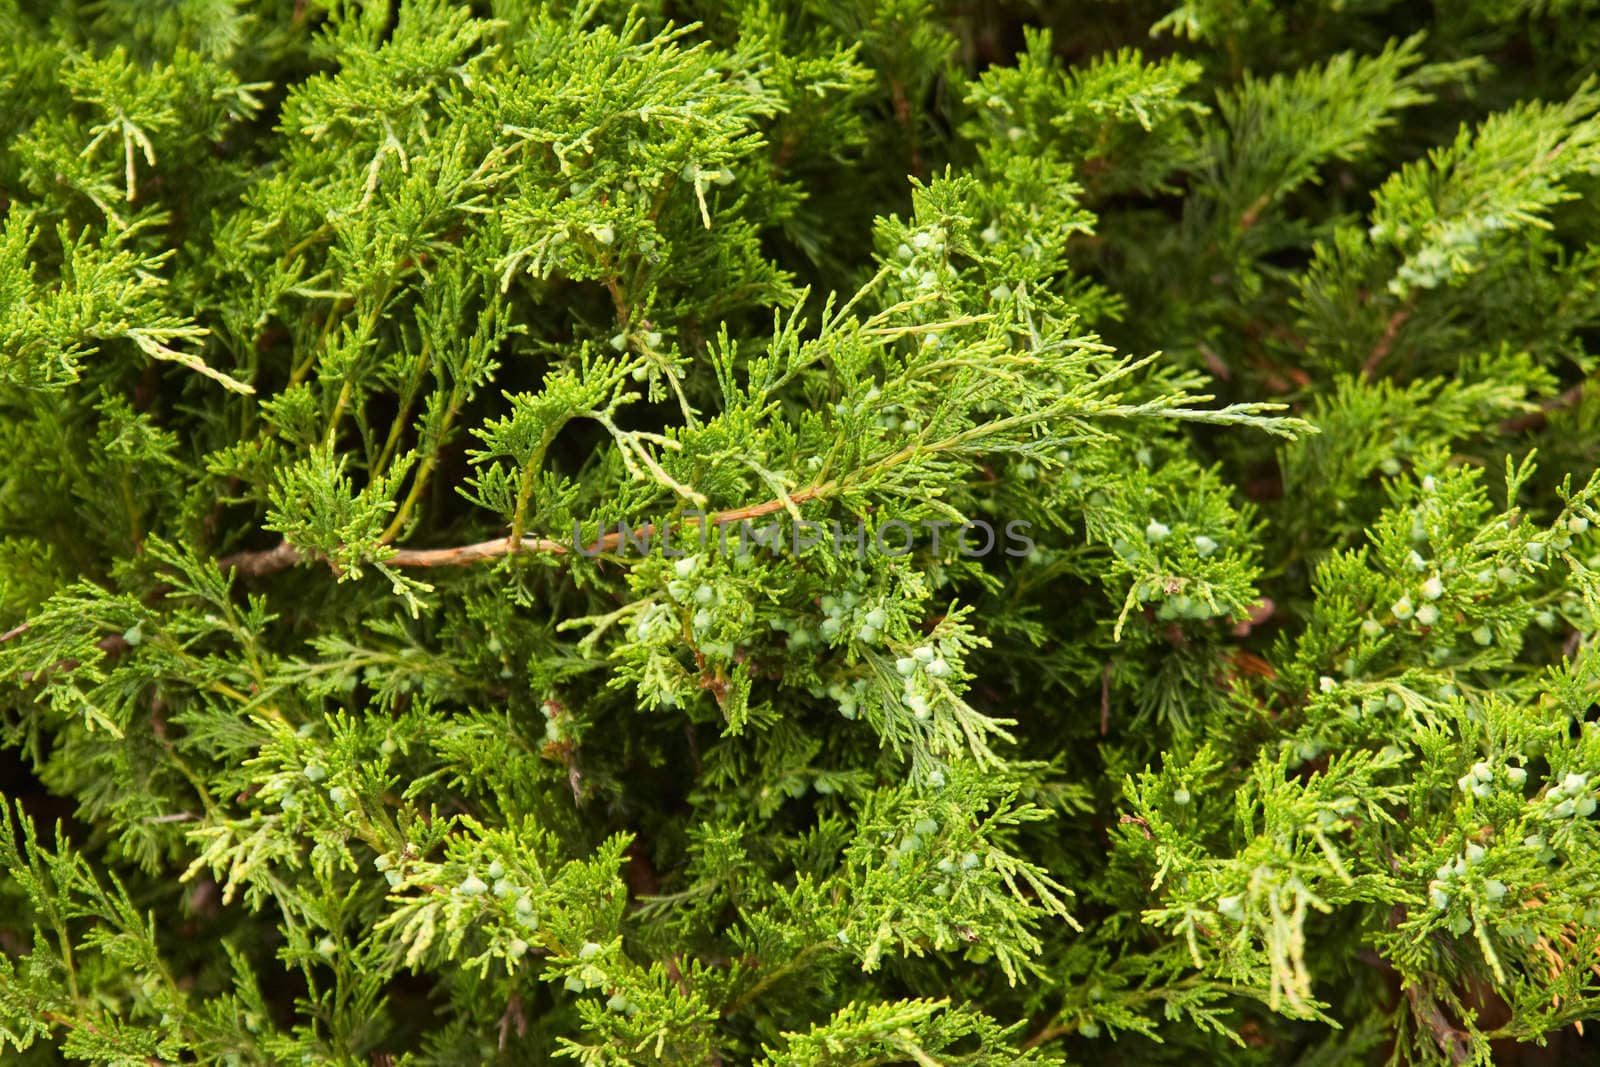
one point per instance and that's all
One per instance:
(487, 524)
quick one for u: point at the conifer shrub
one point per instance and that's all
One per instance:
(798, 532)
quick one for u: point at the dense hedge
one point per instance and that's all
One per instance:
(798, 531)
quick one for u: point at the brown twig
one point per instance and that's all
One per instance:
(267, 561)
(61, 1019)
(1105, 699)
(512, 1019)
(114, 645)
(1385, 345)
(1250, 215)
(1534, 419)
(1455, 1043)
(1049, 1033)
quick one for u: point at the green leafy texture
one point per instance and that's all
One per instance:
(493, 554)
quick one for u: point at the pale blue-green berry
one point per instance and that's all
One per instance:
(1180, 796)
(1433, 588)
(518, 948)
(1156, 531)
(1231, 907)
(1402, 608)
(1427, 615)
(589, 950)
(472, 886)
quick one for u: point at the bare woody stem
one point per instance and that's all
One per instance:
(267, 561)
(1385, 345)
